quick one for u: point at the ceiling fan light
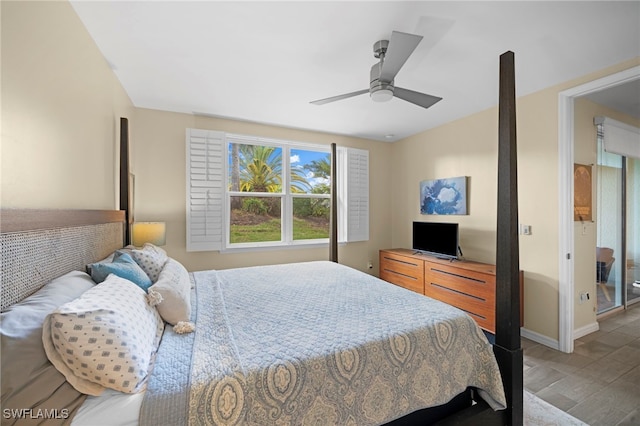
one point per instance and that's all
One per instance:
(382, 95)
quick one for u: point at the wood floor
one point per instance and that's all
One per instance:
(600, 382)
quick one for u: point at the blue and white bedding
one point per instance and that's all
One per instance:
(314, 343)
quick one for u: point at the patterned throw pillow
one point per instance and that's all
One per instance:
(107, 338)
(151, 259)
(123, 266)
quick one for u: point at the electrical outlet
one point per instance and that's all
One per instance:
(584, 296)
(370, 265)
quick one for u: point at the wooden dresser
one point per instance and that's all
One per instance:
(470, 286)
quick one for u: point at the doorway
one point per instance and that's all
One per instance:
(565, 197)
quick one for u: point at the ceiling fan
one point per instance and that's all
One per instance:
(393, 54)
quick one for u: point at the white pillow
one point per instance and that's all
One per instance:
(151, 259)
(106, 338)
(174, 288)
(29, 380)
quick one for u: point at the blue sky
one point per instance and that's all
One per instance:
(304, 157)
(301, 157)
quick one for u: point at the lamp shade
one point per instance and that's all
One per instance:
(148, 232)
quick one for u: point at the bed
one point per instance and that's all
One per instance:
(321, 343)
(291, 343)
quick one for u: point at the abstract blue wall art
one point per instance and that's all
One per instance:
(444, 196)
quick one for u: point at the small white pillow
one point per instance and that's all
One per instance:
(151, 259)
(174, 290)
(29, 380)
(107, 338)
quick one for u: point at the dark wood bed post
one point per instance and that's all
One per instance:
(507, 346)
(507, 337)
(333, 220)
(125, 190)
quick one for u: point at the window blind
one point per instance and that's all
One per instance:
(205, 190)
(620, 138)
(353, 194)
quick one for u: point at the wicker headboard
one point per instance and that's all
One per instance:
(37, 246)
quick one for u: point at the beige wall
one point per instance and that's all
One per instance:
(468, 147)
(585, 233)
(61, 105)
(158, 152)
(448, 151)
(60, 108)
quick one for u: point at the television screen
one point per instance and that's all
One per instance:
(436, 238)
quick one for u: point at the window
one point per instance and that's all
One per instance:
(310, 187)
(277, 192)
(247, 192)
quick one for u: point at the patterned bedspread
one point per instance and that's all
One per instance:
(314, 343)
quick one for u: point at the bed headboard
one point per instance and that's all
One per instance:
(37, 246)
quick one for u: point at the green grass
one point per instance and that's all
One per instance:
(305, 230)
(270, 231)
(265, 231)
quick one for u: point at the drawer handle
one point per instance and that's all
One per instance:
(473, 314)
(400, 261)
(398, 273)
(459, 276)
(459, 292)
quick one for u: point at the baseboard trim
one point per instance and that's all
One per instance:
(554, 344)
(584, 330)
(540, 338)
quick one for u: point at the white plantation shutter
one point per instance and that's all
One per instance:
(357, 195)
(353, 194)
(205, 190)
(207, 196)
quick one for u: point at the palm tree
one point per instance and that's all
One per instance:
(321, 169)
(260, 170)
(236, 203)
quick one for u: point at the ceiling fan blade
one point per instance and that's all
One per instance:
(420, 99)
(339, 97)
(401, 46)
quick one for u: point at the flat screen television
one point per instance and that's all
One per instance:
(438, 239)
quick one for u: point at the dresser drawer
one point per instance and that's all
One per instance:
(467, 285)
(471, 291)
(403, 271)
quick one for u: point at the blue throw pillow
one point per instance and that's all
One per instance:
(123, 266)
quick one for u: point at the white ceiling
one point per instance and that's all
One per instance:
(623, 98)
(265, 61)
